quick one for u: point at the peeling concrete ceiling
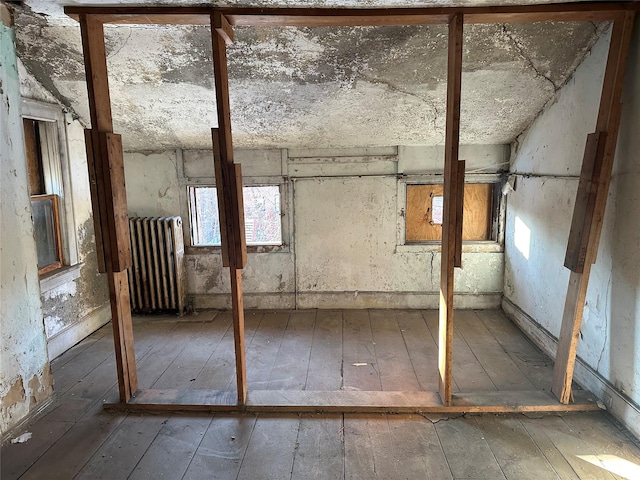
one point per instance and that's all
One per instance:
(308, 87)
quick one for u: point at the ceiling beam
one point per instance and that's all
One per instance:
(319, 17)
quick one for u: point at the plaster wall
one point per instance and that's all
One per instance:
(342, 227)
(75, 300)
(25, 376)
(547, 164)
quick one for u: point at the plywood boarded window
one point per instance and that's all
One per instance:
(424, 215)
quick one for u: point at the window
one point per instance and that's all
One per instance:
(262, 217)
(44, 187)
(424, 216)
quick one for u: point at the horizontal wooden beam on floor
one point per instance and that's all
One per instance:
(348, 401)
(315, 17)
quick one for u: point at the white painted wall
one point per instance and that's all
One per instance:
(535, 287)
(342, 227)
(25, 378)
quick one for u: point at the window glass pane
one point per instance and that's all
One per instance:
(207, 219)
(45, 232)
(261, 215)
(436, 210)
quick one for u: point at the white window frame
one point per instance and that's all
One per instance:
(57, 177)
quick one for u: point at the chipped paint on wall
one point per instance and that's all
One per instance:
(311, 87)
(24, 350)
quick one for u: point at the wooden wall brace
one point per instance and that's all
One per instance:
(108, 195)
(229, 184)
(458, 220)
(589, 214)
(449, 224)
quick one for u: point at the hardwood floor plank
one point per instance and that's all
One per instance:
(69, 454)
(367, 447)
(162, 356)
(466, 450)
(68, 374)
(222, 449)
(271, 448)
(127, 443)
(468, 374)
(191, 360)
(319, 449)
(517, 454)
(416, 448)
(292, 362)
(263, 349)
(325, 361)
(394, 365)
(178, 440)
(360, 368)
(78, 348)
(596, 430)
(548, 448)
(504, 373)
(89, 391)
(18, 457)
(536, 366)
(422, 349)
(77, 438)
(570, 445)
(219, 371)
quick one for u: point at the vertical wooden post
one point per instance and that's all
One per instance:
(230, 193)
(451, 197)
(590, 204)
(104, 156)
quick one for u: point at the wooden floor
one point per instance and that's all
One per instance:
(314, 350)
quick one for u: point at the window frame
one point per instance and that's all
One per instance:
(57, 173)
(498, 215)
(285, 218)
(55, 213)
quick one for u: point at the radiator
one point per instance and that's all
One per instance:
(157, 278)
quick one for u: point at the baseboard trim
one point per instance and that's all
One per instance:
(78, 331)
(347, 300)
(619, 405)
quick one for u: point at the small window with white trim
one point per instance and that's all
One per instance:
(262, 215)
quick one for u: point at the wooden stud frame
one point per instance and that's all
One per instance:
(107, 191)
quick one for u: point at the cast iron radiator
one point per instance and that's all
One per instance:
(157, 277)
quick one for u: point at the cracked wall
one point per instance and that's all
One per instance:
(547, 160)
(342, 214)
(311, 87)
(25, 380)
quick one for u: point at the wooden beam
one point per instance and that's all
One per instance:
(222, 202)
(449, 224)
(223, 28)
(116, 201)
(95, 200)
(345, 401)
(459, 194)
(108, 191)
(315, 17)
(585, 201)
(231, 183)
(608, 123)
